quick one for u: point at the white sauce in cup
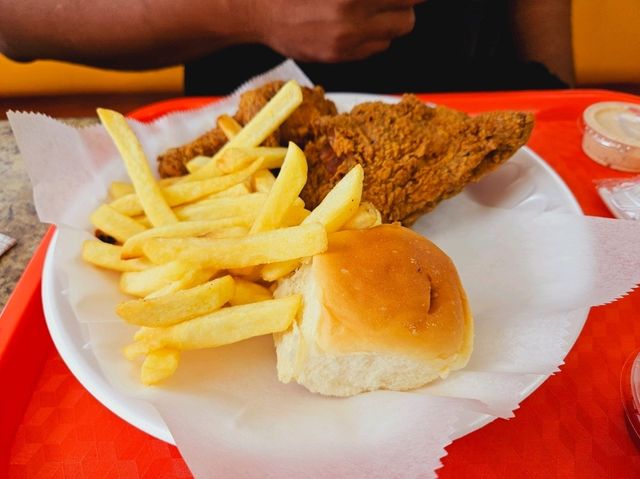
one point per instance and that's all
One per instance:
(612, 134)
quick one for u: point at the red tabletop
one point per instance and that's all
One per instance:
(572, 426)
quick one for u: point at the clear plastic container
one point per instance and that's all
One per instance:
(622, 196)
(630, 391)
(612, 134)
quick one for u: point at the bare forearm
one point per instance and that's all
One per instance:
(118, 33)
(150, 33)
(542, 30)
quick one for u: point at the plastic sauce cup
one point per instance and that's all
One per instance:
(612, 134)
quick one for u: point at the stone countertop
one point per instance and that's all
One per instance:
(18, 217)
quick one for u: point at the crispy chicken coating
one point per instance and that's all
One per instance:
(413, 155)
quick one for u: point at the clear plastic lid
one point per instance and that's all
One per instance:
(612, 134)
(622, 196)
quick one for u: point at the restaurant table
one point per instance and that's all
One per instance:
(573, 425)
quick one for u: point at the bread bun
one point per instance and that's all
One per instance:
(383, 309)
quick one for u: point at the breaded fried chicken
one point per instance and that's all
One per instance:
(413, 155)
(296, 128)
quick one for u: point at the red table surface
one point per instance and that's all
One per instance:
(572, 426)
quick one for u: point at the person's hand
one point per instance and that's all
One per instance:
(331, 30)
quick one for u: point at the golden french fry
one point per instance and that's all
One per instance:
(147, 190)
(134, 350)
(142, 283)
(192, 278)
(180, 193)
(265, 122)
(230, 232)
(334, 210)
(285, 190)
(183, 193)
(107, 256)
(177, 307)
(159, 365)
(199, 161)
(132, 248)
(295, 215)
(367, 216)
(225, 207)
(341, 202)
(120, 188)
(269, 247)
(248, 273)
(238, 190)
(172, 180)
(248, 292)
(275, 271)
(116, 225)
(229, 126)
(263, 181)
(225, 326)
(233, 159)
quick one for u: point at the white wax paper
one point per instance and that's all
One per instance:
(531, 271)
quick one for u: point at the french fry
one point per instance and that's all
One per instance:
(275, 271)
(248, 292)
(226, 207)
(143, 220)
(198, 162)
(180, 193)
(132, 248)
(285, 190)
(333, 211)
(237, 190)
(159, 365)
(248, 273)
(193, 277)
(341, 202)
(134, 350)
(108, 256)
(229, 232)
(116, 225)
(183, 305)
(172, 180)
(295, 215)
(120, 188)
(233, 159)
(142, 283)
(265, 122)
(261, 248)
(229, 126)
(367, 216)
(147, 190)
(225, 326)
(263, 181)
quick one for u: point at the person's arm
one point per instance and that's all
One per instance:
(143, 34)
(116, 33)
(542, 30)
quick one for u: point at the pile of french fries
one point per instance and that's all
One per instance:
(201, 253)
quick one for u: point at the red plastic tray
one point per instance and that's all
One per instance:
(572, 426)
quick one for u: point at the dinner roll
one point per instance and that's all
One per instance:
(383, 309)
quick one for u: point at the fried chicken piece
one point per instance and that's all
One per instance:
(172, 162)
(296, 128)
(413, 155)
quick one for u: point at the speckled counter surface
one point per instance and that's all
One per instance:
(18, 217)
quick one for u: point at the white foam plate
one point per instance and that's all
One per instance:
(526, 182)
